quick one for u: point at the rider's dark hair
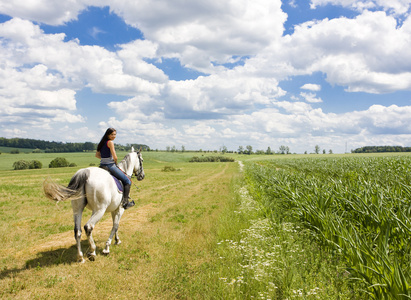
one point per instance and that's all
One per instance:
(104, 139)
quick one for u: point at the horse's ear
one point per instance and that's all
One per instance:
(132, 149)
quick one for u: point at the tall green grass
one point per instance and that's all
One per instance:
(358, 208)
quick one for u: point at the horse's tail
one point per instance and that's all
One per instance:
(74, 191)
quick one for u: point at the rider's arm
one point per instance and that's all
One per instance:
(110, 144)
(98, 154)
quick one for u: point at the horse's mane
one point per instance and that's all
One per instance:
(125, 161)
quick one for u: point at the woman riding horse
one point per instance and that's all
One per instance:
(107, 154)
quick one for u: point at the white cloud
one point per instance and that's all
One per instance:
(44, 11)
(311, 87)
(396, 6)
(41, 74)
(299, 126)
(368, 53)
(311, 97)
(201, 32)
(95, 32)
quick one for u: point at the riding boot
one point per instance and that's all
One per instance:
(126, 192)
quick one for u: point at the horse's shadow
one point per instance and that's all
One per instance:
(45, 259)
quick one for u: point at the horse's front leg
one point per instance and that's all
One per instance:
(116, 216)
(95, 217)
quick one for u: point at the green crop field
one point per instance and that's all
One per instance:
(357, 208)
(269, 227)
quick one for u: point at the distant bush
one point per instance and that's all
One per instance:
(59, 162)
(212, 159)
(169, 169)
(23, 164)
(72, 165)
(15, 151)
(35, 164)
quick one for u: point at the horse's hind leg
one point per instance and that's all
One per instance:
(95, 217)
(78, 207)
(116, 216)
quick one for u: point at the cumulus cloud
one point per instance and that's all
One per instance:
(311, 87)
(41, 74)
(310, 97)
(44, 11)
(41, 71)
(395, 6)
(201, 32)
(365, 54)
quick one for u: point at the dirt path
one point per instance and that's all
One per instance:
(136, 219)
(66, 239)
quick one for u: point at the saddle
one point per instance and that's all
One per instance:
(118, 182)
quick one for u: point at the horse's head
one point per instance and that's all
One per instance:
(138, 165)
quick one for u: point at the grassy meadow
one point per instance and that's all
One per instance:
(167, 238)
(223, 230)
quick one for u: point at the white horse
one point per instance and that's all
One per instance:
(95, 189)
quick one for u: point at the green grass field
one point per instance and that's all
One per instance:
(202, 231)
(167, 237)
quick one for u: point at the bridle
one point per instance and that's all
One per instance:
(140, 170)
(137, 174)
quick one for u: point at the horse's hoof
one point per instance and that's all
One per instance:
(118, 242)
(91, 256)
(106, 252)
(81, 260)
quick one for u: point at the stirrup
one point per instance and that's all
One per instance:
(128, 204)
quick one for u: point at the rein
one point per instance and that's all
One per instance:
(140, 170)
(138, 174)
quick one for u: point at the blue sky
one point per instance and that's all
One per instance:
(208, 74)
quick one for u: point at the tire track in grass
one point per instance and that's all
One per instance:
(100, 234)
(137, 218)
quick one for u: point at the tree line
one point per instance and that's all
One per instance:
(57, 147)
(376, 149)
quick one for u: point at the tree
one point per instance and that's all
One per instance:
(21, 165)
(268, 152)
(324, 152)
(283, 149)
(241, 150)
(183, 149)
(224, 149)
(317, 149)
(59, 162)
(331, 152)
(35, 164)
(249, 149)
(88, 146)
